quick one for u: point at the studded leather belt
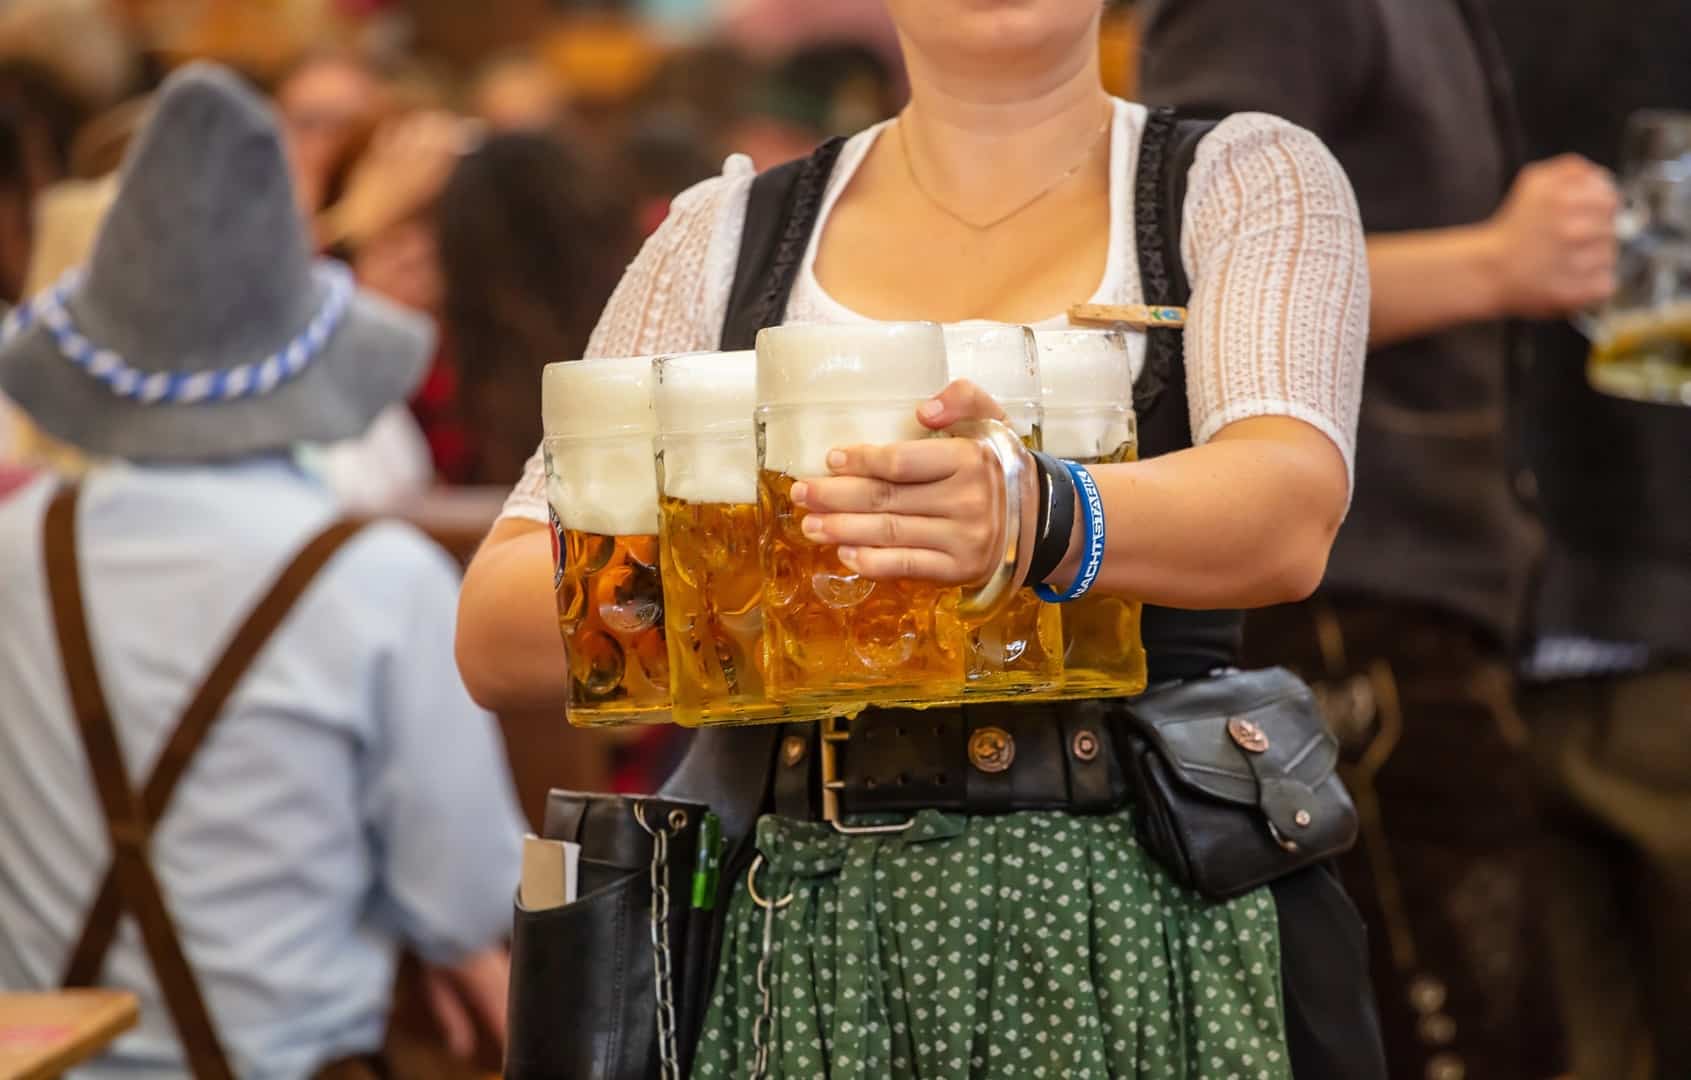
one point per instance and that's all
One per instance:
(978, 759)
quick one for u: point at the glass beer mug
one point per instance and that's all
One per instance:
(835, 638)
(1020, 650)
(1641, 340)
(708, 538)
(1087, 386)
(601, 487)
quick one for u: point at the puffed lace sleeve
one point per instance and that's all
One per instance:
(1273, 245)
(671, 299)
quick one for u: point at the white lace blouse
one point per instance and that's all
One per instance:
(1277, 323)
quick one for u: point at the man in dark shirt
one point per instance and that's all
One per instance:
(1407, 641)
(1609, 694)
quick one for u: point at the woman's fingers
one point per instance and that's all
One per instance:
(919, 462)
(869, 495)
(888, 564)
(930, 508)
(880, 530)
(960, 401)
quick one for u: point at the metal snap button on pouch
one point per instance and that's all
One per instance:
(1248, 734)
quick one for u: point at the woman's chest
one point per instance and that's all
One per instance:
(890, 267)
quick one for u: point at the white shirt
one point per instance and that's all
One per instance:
(351, 797)
(1272, 242)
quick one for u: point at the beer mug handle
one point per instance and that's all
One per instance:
(1021, 491)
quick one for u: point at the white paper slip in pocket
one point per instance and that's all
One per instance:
(549, 873)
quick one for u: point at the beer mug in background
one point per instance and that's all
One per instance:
(832, 635)
(708, 538)
(1020, 650)
(1087, 386)
(1641, 340)
(601, 486)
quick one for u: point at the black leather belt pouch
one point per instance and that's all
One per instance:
(1236, 780)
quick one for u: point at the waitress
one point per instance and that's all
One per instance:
(1003, 944)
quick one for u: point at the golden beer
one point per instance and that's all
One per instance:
(1087, 384)
(601, 487)
(610, 612)
(709, 539)
(1645, 355)
(1020, 650)
(837, 637)
(713, 612)
(833, 636)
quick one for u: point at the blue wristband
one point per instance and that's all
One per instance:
(1091, 540)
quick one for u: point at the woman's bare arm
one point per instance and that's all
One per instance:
(509, 651)
(1246, 520)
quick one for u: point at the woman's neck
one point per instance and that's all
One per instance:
(1026, 129)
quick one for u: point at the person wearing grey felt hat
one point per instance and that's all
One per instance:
(232, 720)
(202, 328)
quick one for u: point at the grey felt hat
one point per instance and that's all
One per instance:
(202, 327)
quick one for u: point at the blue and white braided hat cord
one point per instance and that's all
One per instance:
(180, 387)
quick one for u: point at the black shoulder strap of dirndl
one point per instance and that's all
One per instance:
(780, 214)
(1166, 153)
(1179, 644)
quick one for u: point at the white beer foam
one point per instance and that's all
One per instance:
(704, 404)
(1086, 383)
(710, 468)
(821, 386)
(1085, 434)
(997, 357)
(713, 391)
(1002, 360)
(599, 423)
(826, 363)
(607, 396)
(1084, 367)
(607, 486)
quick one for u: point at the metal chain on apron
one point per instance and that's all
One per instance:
(663, 969)
(766, 1005)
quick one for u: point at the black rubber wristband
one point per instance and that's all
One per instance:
(1056, 518)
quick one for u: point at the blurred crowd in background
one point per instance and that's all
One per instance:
(495, 165)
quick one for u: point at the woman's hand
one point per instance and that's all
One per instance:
(931, 509)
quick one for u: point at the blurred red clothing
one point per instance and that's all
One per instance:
(439, 413)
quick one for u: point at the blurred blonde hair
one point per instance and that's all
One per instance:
(67, 218)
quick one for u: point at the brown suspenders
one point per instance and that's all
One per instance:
(130, 815)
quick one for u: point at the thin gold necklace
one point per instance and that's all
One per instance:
(987, 226)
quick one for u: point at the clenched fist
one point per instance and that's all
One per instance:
(1554, 238)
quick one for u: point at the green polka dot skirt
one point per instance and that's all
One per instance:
(1028, 945)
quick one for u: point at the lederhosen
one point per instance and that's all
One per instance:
(1332, 1029)
(130, 881)
(1331, 1025)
